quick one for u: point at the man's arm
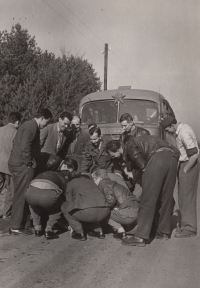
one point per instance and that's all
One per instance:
(43, 136)
(135, 156)
(87, 159)
(69, 193)
(189, 143)
(190, 163)
(28, 137)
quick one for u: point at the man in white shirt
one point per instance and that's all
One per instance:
(188, 175)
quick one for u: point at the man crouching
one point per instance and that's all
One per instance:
(125, 209)
(85, 203)
(45, 195)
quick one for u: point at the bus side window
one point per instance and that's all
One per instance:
(165, 110)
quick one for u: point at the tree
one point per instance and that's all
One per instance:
(30, 78)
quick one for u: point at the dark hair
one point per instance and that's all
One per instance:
(92, 127)
(168, 121)
(46, 113)
(14, 117)
(71, 163)
(126, 117)
(67, 115)
(100, 173)
(113, 146)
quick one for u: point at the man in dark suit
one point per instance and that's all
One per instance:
(77, 141)
(84, 203)
(7, 134)
(22, 163)
(53, 137)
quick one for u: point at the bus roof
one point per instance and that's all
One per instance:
(123, 94)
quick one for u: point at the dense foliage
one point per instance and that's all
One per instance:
(30, 78)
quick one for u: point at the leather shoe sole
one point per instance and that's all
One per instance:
(120, 236)
(134, 241)
(39, 233)
(99, 235)
(161, 236)
(78, 236)
(184, 234)
(49, 235)
(20, 232)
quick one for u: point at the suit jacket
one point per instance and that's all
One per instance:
(76, 145)
(49, 140)
(83, 193)
(96, 157)
(7, 134)
(26, 144)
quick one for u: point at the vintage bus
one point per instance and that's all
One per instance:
(106, 107)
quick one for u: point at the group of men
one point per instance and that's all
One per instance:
(146, 161)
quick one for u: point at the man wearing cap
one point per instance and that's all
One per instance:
(188, 174)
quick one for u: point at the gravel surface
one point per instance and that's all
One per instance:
(34, 262)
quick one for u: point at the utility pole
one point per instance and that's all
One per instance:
(105, 66)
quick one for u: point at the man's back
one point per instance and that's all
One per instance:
(26, 144)
(83, 193)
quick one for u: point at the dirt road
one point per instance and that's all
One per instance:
(29, 261)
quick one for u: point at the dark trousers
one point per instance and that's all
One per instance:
(9, 196)
(121, 217)
(22, 176)
(44, 202)
(187, 196)
(88, 215)
(158, 180)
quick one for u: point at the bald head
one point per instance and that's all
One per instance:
(76, 123)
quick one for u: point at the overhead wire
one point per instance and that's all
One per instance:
(82, 33)
(94, 34)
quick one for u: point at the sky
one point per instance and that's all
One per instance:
(153, 44)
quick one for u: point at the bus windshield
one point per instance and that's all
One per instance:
(142, 111)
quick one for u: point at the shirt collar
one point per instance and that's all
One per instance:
(58, 128)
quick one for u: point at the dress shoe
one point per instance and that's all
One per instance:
(134, 241)
(120, 236)
(184, 234)
(20, 232)
(49, 235)
(178, 230)
(161, 236)
(99, 234)
(78, 236)
(30, 228)
(39, 233)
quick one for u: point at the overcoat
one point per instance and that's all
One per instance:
(7, 135)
